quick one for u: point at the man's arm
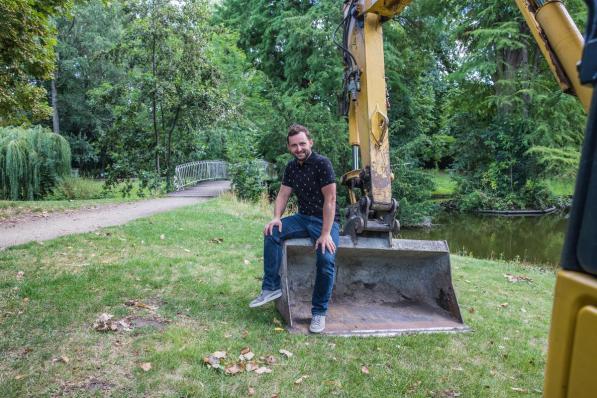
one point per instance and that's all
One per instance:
(279, 207)
(329, 212)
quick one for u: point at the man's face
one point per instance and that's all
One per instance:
(300, 146)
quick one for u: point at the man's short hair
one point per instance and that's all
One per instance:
(297, 129)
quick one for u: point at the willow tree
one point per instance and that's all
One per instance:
(31, 162)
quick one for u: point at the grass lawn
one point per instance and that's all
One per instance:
(16, 208)
(562, 186)
(192, 273)
(444, 184)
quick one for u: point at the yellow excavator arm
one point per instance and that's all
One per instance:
(372, 210)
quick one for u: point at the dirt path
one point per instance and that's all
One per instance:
(23, 230)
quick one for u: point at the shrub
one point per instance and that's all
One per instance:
(412, 188)
(71, 188)
(249, 180)
(32, 161)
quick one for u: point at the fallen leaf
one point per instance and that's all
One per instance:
(247, 262)
(251, 391)
(287, 354)
(19, 377)
(245, 333)
(232, 369)
(187, 250)
(62, 359)
(301, 379)
(251, 366)
(365, 370)
(278, 329)
(248, 356)
(517, 278)
(124, 325)
(162, 237)
(20, 275)
(26, 300)
(277, 322)
(471, 310)
(504, 305)
(216, 240)
(263, 370)
(219, 354)
(518, 389)
(211, 361)
(245, 350)
(270, 359)
(139, 304)
(146, 366)
(275, 396)
(104, 323)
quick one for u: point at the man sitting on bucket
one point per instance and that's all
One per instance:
(311, 178)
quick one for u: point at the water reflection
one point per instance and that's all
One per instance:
(536, 240)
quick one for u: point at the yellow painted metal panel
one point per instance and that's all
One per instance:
(574, 291)
(387, 8)
(583, 383)
(541, 40)
(567, 42)
(374, 76)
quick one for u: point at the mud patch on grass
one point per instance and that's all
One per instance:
(138, 322)
(92, 384)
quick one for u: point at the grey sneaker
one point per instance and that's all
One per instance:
(317, 324)
(265, 297)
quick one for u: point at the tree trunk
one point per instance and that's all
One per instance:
(154, 98)
(55, 122)
(169, 149)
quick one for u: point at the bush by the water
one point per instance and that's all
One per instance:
(532, 195)
(32, 161)
(412, 188)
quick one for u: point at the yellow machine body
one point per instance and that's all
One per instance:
(572, 349)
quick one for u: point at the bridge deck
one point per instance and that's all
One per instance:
(205, 189)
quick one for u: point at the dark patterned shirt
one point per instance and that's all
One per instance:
(306, 181)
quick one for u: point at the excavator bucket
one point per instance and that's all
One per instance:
(379, 290)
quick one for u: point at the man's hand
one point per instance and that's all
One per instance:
(326, 242)
(269, 227)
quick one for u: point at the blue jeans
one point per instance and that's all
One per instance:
(301, 226)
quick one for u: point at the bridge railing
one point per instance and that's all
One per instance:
(191, 173)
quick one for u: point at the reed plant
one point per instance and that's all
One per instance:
(32, 161)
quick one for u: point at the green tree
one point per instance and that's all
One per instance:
(168, 93)
(27, 39)
(86, 41)
(500, 105)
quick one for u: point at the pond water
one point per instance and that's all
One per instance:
(536, 240)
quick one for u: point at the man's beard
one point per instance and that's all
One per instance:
(305, 155)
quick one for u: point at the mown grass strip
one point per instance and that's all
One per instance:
(200, 266)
